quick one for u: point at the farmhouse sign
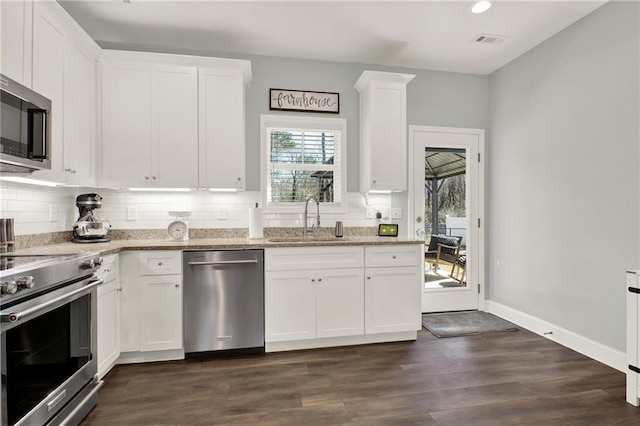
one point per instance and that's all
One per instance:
(303, 100)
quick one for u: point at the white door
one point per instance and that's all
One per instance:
(459, 212)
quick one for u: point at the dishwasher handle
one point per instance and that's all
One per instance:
(224, 262)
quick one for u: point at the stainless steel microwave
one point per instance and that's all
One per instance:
(25, 135)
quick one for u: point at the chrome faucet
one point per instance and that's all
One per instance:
(308, 231)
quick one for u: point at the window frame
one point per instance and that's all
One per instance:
(336, 125)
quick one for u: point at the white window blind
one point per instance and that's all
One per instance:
(302, 163)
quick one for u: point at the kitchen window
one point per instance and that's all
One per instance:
(303, 156)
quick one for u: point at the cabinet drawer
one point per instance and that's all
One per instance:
(110, 268)
(160, 262)
(292, 259)
(393, 255)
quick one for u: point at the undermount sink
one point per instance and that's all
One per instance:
(305, 239)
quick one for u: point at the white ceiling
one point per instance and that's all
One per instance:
(433, 35)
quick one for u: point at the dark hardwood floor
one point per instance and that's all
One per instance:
(507, 378)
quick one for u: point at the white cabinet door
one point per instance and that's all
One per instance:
(175, 126)
(126, 126)
(129, 302)
(160, 312)
(383, 133)
(340, 302)
(392, 299)
(16, 40)
(290, 306)
(79, 117)
(108, 325)
(222, 139)
(49, 48)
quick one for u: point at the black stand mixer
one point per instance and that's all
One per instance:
(88, 229)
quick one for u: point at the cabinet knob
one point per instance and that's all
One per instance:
(153, 177)
(67, 169)
(313, 280)
(106, 271)
(176, 285)
(319, 279)
(374, 182)
(146, 178)
(368, 277)
(393, 256)
(119, 289)
(73, 171)
(239, 179)
(160, 263)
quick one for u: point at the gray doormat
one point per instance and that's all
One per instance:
(451, 324)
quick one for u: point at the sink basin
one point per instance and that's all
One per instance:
(307, 239)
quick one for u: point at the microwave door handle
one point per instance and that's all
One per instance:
(37, 119)
(17, 316)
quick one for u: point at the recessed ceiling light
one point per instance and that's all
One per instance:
(480, 6)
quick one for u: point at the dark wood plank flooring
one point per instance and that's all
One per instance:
(508, 378)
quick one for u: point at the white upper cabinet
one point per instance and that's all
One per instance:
(49, 47)
(175, 125)
(63, 65)
(80, 114)
(162, 113)
(16, 36)
(383, 130)
(222, 142)
(126, 124)
(150, 125)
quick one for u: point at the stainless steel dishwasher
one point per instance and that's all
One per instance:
(223, 302)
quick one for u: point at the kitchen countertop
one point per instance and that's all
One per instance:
(117, 246)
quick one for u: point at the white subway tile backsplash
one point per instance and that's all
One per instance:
(30, 207)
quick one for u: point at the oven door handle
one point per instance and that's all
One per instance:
(17, 316)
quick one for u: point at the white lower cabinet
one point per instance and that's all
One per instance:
(151, 311)
(314, 293)
(307, 304)
(108, 315)
(393, 294)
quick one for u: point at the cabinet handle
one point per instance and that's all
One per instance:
(67, 170)
(106, 271)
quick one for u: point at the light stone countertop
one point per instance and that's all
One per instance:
(117, 246)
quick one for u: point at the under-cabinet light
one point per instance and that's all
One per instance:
(223, 189)
(160, 189)
(30, 181)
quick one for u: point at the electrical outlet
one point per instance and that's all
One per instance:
(53, 213)
(396, 213)
(132, 213)
(370, 213)
(222, 215)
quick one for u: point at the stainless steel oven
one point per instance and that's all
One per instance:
(48, 324)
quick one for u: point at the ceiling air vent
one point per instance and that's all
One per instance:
(489, 39)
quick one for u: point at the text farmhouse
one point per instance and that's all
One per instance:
(303, 100)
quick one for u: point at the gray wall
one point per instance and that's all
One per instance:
(434, 98)
(563, 182)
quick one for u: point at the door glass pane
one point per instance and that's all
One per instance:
(445, 217)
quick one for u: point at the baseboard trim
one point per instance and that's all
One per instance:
(330, 342)
(604, 354)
